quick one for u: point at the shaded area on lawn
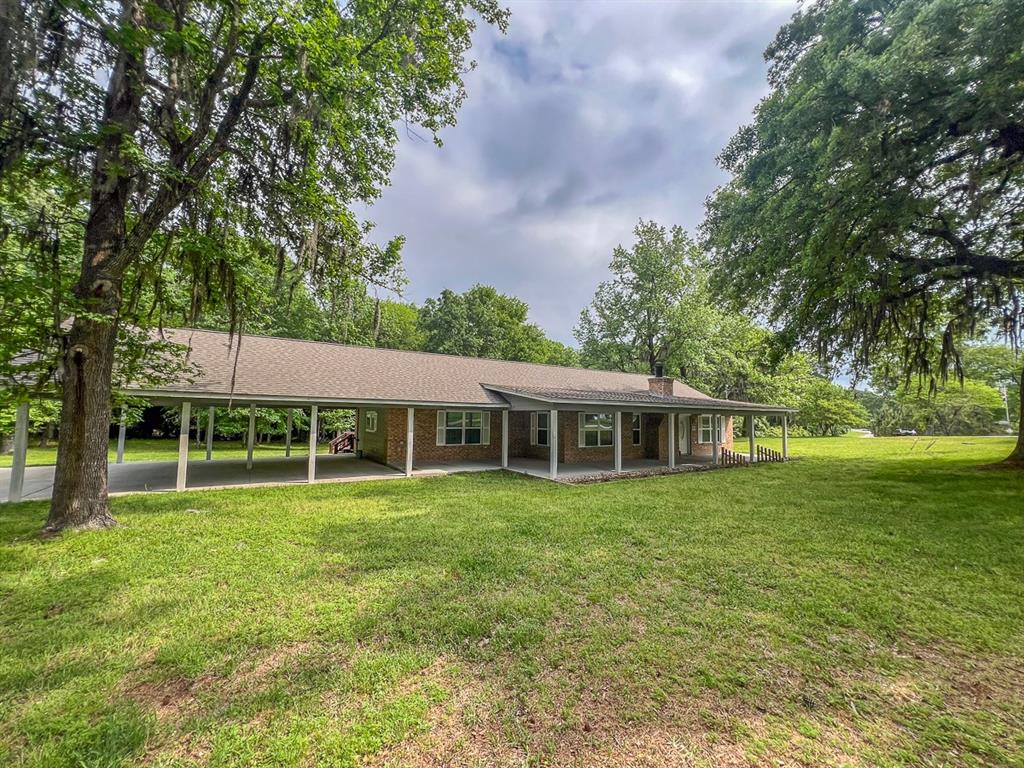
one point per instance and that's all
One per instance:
(863, 604)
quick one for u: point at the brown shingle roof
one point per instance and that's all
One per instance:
(647, 398)
(275, 369)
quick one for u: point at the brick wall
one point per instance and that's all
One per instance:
(387, 444)
(707, 449)
(425, 448)
(696, 448)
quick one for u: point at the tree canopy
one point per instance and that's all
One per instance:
(877, 198)
(652, 307)
(193, 146)
(482, 322)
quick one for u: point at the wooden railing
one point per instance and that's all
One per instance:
(768, 454)
(343, 443)
(737, 459)
(733, 458)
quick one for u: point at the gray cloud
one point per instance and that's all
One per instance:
(584, 118)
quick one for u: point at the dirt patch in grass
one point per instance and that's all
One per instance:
(256, 672)
(480, 727)
(871, 713)
(167, 699)
(177, 697)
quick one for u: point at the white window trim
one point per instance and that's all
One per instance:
(721, 428)
(441, 437)
(637, 417)
(536, 429)
(582, 429)
(371, 421)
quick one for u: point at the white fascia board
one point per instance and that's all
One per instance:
(270, 401)
(523, 402)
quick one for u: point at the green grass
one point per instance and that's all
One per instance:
(167, 450)
(861, 606)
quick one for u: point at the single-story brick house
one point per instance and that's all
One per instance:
(416, 409)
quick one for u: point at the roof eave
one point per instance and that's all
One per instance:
(712, 405)
(180, 395)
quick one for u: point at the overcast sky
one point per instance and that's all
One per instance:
(585, 117)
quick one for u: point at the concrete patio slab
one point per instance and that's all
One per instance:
(159, 476)
(148, 476)
(571, 472)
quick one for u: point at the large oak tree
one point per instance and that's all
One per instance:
(203, 135)
(877, 198)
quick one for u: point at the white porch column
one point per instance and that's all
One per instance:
(617, 439)
(750, 433)
(210, 413)
(311, 467)
(20, 453)
(186, 419)
(553, 443)
(122, 428)
(288, 434)
(410, 428)
(716, 428)
(504, 439)
(251, 436)
(785, 436)
(672, 418)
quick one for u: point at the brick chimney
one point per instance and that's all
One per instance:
(660, 384)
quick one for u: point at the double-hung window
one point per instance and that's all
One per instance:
(638, 430)
(706, 435)
(539, 428)
(596, 430)
(463, 428)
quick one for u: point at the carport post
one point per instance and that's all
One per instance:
(20, 452)
(504, 439)
(785, 436)
(716, 429)
(671, 439)
(186, 418)
(617, 437)
(410, 423)
(553, 443)
(251, 436)
(288, 435)
(311, 467)
(121, 429)
(210, 412)
(751, 429)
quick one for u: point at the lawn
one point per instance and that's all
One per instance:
(167, 450)
(862, 606)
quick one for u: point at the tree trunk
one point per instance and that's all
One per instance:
(47, 435)
(1017, 457)
(79, 497)
(80, 483)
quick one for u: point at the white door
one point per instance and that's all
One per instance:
(683, 432)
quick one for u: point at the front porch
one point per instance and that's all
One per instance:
(598, 471)
(594, 441)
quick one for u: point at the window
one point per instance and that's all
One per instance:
(463, 428)
(638, 431)
(371, 421)
(539, 427)
(705, 428)
(596, 430)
